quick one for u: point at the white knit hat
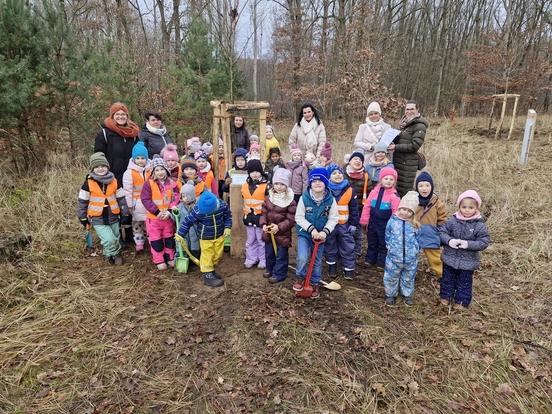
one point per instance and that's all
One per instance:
(373, 107)
(410, 201)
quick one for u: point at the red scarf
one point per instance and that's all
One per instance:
(130, 130)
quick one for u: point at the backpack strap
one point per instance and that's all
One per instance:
(105, 136)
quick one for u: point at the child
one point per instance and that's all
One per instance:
(159, 195)
(401, 238)
(189, 173)
(316, 217)
(381, 203)
(133, 180)
(310, 160)
(254, 151)
(186, 205)
(240, 164)
(193, 145)
(274, 161)
(360, 181)
(204, 171)
(431, 213)
(278, 218)
(254, 138)
(340, 244)
(464, 235)
(325, 158)
(253, 192)
(170, 156)
(213, 221)
(377, 161)
(100, 203)
(299, 172)
(270, 141)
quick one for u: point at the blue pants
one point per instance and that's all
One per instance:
(304, 251)
(377, 250)
(399, 276)
(340, 245)
(358, 241)
(457, 284)
(277, 265)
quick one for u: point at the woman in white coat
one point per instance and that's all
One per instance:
(370, 133)
(308, 133)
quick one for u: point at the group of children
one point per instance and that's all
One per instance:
(327, 204)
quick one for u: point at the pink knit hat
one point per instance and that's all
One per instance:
(169, 153)
(255, 146)
(294, 149)
(388, 171)
(469, 194)
(326, 150)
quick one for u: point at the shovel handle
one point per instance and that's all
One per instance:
(274, 244)
(317, 243)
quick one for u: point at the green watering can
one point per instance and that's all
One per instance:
(227, 243)
(181, 261)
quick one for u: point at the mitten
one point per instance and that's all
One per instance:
(462, 244)
(227, 232)
(453, 243)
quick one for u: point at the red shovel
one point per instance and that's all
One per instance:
(307, 287)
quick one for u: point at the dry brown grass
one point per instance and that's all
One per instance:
(78, 336)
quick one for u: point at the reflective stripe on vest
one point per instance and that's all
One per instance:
(343, 206)
(138, 181)
(365, 189)
(162, 201)
(98, 199)
(253, 201)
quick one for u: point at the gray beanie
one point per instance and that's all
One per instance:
(97, 159)
(188, 191)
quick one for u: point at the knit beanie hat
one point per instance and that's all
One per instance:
(169, 153)
(319, 174)
(388, 171)
(357, 154)
(207, 148)
(97, 159)
(374, 107)
(282, 176)
(207, 203)
(254, 138)
(139, 150)
(201, 155)
(333, 167)
(116, 107)
(254, 165)
(380, 147)
(469, 194)
(254, 147)
(188, 163)
(424, 177)
(188, 191)
(409, 201)
(294, 149)
(326, 150)
(240, 152)
(157, 161)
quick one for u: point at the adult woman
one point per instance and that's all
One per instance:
(116, 139)
(308, 133)
(241, 134)
(406, 145)
(154, 134)
(370, 132)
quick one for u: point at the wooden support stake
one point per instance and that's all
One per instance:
(262, 133)
(528, 136)
(492, 112)
(238, 228)
(513, 117)
(499, 126)
(215, 131)
(226, 136)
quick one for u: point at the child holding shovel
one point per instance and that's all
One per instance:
(277, 220)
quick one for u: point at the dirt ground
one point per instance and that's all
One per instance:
(80, 336)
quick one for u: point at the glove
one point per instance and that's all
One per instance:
(453, 243)
(227, 232)
(352, 229)
(125, 220)
(462, 244)
(85, 222)
(322, 236)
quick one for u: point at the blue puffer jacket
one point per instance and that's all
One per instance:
(401, 239)
(209, 226)
(475, 232)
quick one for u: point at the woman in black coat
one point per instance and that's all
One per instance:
(154, 134)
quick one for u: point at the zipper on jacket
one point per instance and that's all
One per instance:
(404, 241)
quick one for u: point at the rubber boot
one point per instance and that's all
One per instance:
(349, 275)
(332, 271)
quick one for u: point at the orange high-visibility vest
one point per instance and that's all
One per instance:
(138, 181)
(209, 178)
(162, 201)
(253, 201)
(98, 199)
(343, 206)
(199, 188)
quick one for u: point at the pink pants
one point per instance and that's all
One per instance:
(254, 246)
(161, 239)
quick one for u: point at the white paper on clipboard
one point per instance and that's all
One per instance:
(238, 177)
(389, 135)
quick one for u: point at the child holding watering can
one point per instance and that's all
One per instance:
(184, 208)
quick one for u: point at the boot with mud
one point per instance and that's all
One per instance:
(212, 280)
(332, 271)
(349, 275)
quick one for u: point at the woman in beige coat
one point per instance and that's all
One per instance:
(308, 133)
(371, 131)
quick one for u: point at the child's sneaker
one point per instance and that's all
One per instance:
(408, 301)
(171, 263)
(460, 307)
(274, 280)
(117, 260)
(390, 301)
(267, 274)
(315, 292)
(248, 265)
(210, 279)
(349, 275)
(261, 265)
(444, 302)
(162, 266)
(298, 285)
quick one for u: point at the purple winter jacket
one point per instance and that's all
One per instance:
(299, 176)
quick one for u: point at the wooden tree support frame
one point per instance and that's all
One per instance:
(223, 113)
(504, 97)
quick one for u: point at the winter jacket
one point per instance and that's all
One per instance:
(192, 238)
(299, 176)
(311, 215)
(146, 195)
(352, 206)
(131, 188)
(430, 217)
(474, 232)
(107, 216)
(368, 135)
(380, 204)
(241, 138)
(284, 217)
(361, 186)
(269, 168)
(153, 142)
(297, 136)
(117, 150)
(209, 226)
(271, 143)
(374, 171)
(405, 157)
(401, 239)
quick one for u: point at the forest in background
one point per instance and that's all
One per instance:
(63, 62)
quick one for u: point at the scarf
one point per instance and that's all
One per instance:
(130, 130)
(459, 216)
(355, 174)
(336, 188)
(102, 179)
(406, 120)
(308, 130)
(281, 199)
(157, 131)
